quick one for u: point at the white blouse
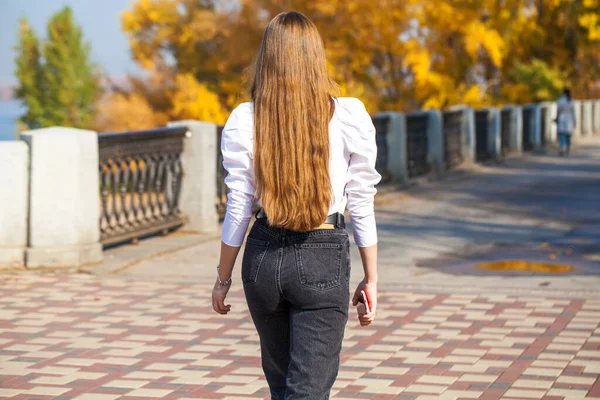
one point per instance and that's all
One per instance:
(351, 168)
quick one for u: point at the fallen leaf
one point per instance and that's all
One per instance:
(553, 256)
(97, 298)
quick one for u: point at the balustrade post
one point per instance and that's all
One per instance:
(553, 115)
(547, 117)
(515, 139)
(586, 118)
(199, 163)
(64, 209)
(494, 133)
(435, 138)
(596, 117)
(397, 160)
(577, 131)
(468, 136)
(533, 125)
(494, 140)
(14, 188)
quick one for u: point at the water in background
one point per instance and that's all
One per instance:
(10, 111)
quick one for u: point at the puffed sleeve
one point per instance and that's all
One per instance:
(237, 149)
(362, 176)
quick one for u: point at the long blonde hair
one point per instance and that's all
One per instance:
(293, 105)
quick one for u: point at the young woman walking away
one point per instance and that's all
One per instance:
(304, 156)
(565, 120)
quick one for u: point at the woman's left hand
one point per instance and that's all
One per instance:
(219, 293)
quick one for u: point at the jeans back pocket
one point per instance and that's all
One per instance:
(319, 264)
(254, 255)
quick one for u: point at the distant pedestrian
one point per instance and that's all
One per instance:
(304, 156)
(565, 120)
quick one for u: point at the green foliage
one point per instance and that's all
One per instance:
(64, 89)
(544, 83)
(29, 73)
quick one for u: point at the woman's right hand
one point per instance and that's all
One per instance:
(370, 290)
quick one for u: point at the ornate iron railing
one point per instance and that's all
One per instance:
(417, 144)
(453, 126)
(527, 134)
(381, 123)
(140, 183)
(482, 146)
(221, 174)
(505, 128)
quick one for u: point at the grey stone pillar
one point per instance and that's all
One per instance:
(435, 139)
(547, 117)
(469, 134)
(64, 210)
(577, 131)
(596, 117)
(515, 139)
(396, 143)
(534, 124)
(494, 139)
(199, 186)
(14, 203)
(552, 125)
(586, 118)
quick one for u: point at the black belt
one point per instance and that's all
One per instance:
(336, 219)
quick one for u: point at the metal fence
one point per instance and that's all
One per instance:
(482, 125)
(453, 127)
(527, 137)
(381, 123)
(140, 183)
(417, 144)
(505, 127)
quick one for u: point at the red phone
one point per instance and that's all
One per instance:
(363, 299)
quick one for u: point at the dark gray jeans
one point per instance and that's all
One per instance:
(297, 288)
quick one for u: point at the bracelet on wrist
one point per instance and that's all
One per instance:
(226, 282)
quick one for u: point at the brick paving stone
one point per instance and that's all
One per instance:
(90, 338)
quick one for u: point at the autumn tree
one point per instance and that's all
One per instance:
(569, 41)
(70, 78)
(58, 83)
(126, 112)
(29, 74)
(156, 99)
(393, 54)
(534, 82)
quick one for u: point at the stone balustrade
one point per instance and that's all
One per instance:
(57, 183)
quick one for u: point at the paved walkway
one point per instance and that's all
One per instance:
(141, 325)
(88, 338)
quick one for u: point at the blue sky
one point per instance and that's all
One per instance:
(99, 20)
